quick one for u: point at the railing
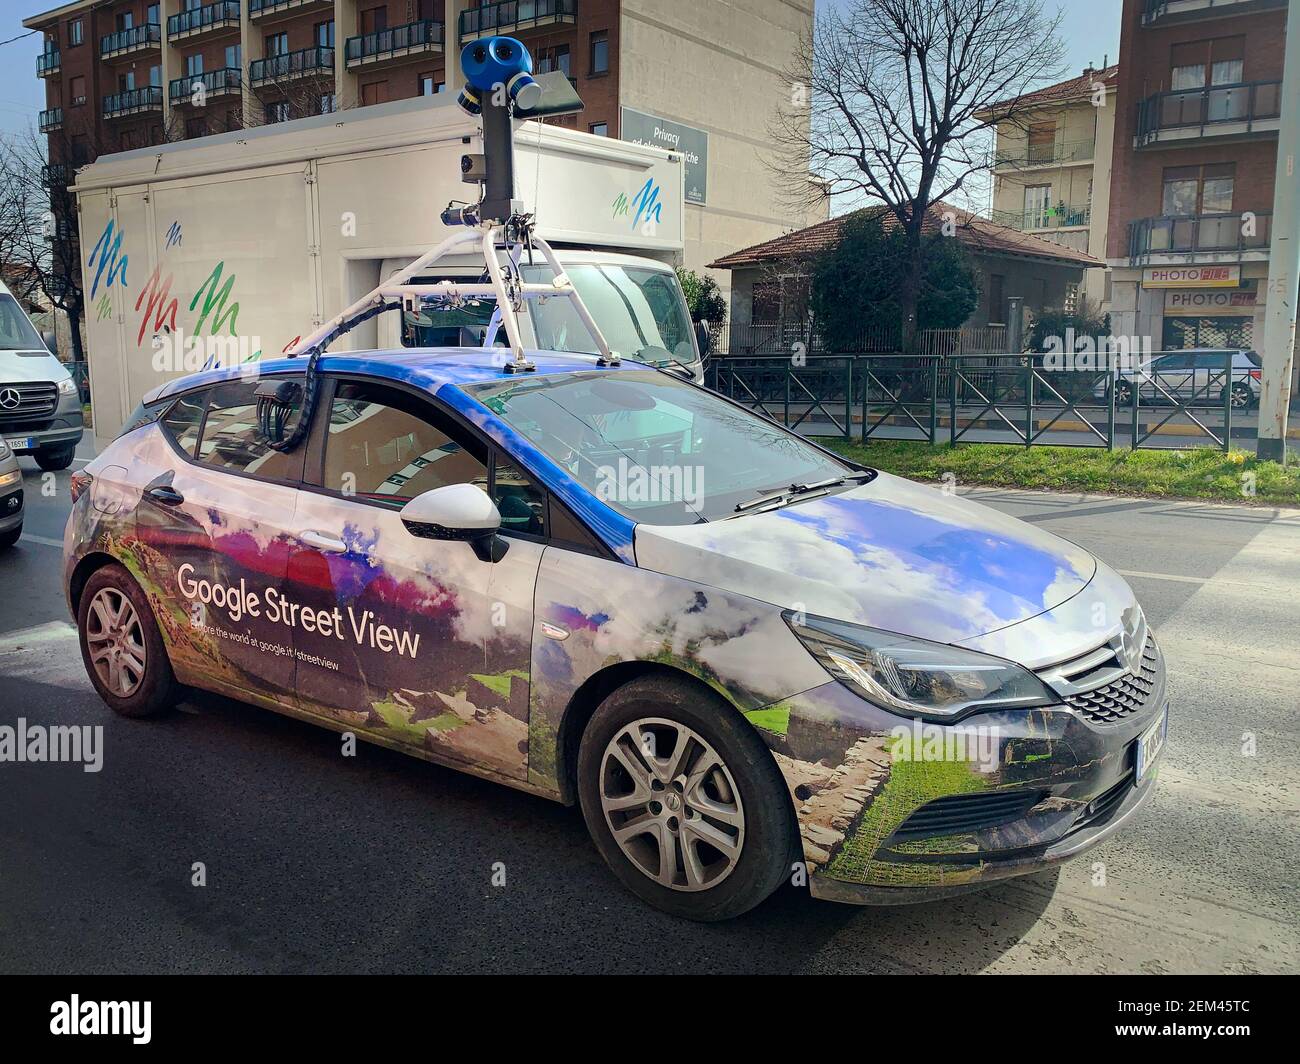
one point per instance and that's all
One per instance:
(135, 37)
(54, 175)
(214, 81)
(1109, 401)
(786, 338)
(291, 64)
(209, 16)
(1024, 155)
(512, 14)
(1158, 9)
(1202, 110)
(51, 120)
(259, 7)
(133, 100)
(1055, 216)
(393, 40)
(48, 62)
(1210, 234)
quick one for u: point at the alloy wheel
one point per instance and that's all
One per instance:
(672, 804)
(116, 642)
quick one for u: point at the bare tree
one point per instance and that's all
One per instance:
(893, 101)
(39, 241)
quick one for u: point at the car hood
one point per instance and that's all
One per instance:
(23, 367)
(889, 554)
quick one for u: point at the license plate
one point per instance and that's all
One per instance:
(21, 443)
(1150, 743)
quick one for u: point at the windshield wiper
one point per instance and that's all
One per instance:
(780, 496)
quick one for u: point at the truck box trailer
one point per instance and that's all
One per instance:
(232, 247)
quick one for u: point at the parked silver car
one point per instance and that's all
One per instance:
(1183, 376)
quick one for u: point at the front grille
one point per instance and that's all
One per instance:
(960, 814)
(27, 401)
(1124, 696)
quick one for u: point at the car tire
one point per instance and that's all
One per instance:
(145, 685)
(1242, 396)
(8, 539)
(744, 800)
(55, 458)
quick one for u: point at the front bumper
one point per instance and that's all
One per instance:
(993, 796)
(65, 426)
(11, 508)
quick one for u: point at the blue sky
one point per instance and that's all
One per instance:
(1091, 29)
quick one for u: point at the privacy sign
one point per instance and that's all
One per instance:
(690, 143)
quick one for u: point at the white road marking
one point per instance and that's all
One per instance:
(51, 631)
(44, 541)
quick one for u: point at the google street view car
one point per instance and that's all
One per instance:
(746, 659)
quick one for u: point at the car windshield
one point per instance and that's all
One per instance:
(640, 311)
(655, 448)
(16, 332)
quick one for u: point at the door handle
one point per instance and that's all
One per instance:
(323, 542)
(166, 495)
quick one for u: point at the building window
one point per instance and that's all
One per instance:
(373, 20)
(126, 82)
(76, 33)
(328, 104)
(1038, 203)
(151, 15)
(196, 127)
(277, 111)
(77, 90)
(80, 149)
(601, 129)
(155, 75)
(325, 34)
(1042, 142)
(234, 56)
(277, 44)
(124, 20)
(431, 85)
(1192, 190)
(997, 299)
(556, 58)
(375, 92)
(194, 65)
(600, 52)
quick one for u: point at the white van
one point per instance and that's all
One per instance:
(40, 408)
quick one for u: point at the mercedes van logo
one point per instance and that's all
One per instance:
(9, 399)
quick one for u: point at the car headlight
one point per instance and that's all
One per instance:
(68, 387)
(7, 479)
(914, 676)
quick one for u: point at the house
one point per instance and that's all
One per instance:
(1052, 164)
(769, 281)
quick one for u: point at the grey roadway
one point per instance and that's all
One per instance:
(384, 863)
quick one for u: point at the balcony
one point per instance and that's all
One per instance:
(133, 102)
(1046, 219)
(51, 120)
(516, 16)
(210, 18)
(48, 63)
(199, 88)
(395, 44)
(1219, 112)
(1061, 153)
(292, 65)
(274, 10)
(1204, 238)
(54, 175)
(1170, 12)
(138, 39)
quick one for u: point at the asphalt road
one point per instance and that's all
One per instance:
(316, 863)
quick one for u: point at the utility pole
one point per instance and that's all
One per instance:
(1284, 262)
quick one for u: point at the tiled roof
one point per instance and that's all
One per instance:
(980, 236)
(1074, 89)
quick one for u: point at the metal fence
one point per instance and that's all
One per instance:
(782, 339)
(997, 398)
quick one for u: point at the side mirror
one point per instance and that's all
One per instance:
(461, 512)
(50, 342)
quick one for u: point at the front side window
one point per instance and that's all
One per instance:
(386, 446)
(521, 502)
(239, 426)
(653, 447)
(16, 332)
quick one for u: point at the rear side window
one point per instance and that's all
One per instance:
(183, 420)
(386, 446)
(238, 429)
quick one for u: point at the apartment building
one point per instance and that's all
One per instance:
(1052, 163)
(693, 78)
(1195, 150)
